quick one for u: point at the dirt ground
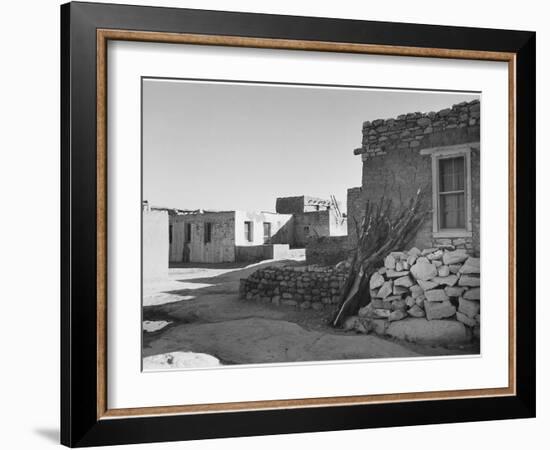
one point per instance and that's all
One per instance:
(205, 315)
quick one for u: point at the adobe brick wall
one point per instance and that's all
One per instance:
(290, 205)
(394, 168)
(318, 223)
(327, 250)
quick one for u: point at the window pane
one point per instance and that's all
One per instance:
(267, 232)
(452, 210)
(248, 231)
(451, 174)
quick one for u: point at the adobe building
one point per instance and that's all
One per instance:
(228, 236)
(438, 151)
(312, 217)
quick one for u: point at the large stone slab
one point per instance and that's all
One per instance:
(468, 307)
(427, 285)
(469, 280)
(390, 273)
(455, 257)
(423, 271)
(385, 290)
(382, 313)
(416, 311)
(472, 294)
(449, 280)
(468, 321)
(399, 290)
(436, 295)
(470, 266)
(376, 280)
(397, 315)
(389, 262)
(422, 331)
(454, 291)
(416, 291)
(404, 281)
(439, 310)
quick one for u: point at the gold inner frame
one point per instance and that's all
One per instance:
(104, 35)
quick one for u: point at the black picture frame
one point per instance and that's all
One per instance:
(80, 425)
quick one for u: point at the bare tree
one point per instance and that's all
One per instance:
(382, 230)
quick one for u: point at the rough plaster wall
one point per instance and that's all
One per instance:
(356, 206)
(290, 205)
(337, 226)
(281, 229)
(327, 250)
(178, 239)
(222, 245)
(155, 245)
(318, 223)
(397, 176)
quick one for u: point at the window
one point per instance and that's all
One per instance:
(207, 232)
(187, 232)
(248, 231)
(452, 193)
(170, 234)
(452, 189)
(267, 232)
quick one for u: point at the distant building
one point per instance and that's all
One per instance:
(312, 217)
(227, 236)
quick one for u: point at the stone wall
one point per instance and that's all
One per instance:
(301, 287)
(327, 250)
(432, 284)
(394, 167)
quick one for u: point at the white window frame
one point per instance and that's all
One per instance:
(437, 154)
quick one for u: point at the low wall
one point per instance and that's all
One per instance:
(297, 286)
(252, 253)
(327, 250)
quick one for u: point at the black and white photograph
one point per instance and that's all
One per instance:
(286, 223)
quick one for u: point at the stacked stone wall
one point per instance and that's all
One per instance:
(433, 284)
(301, 287)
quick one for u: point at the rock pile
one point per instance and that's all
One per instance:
(434, 284)
(298, 286)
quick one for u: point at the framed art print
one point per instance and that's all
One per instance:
(277, 224)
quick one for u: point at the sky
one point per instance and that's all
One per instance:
(231, 146)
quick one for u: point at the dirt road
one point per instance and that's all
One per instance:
(206, 315)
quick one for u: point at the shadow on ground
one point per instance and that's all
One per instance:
(205, 314)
